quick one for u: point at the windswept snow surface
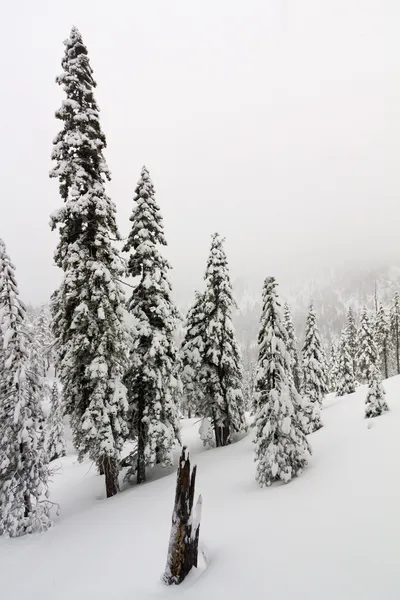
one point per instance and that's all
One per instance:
(332, 533)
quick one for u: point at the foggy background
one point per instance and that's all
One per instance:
(273, 122)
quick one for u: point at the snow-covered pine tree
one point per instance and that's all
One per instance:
(206, 433)
(192, 352)
(56, 446)
(345, 383)
(221, 372)
(44, 338)
(249, 383)
(367, 355)
(292, 346)
(88, 308)
(382, 336)
(23, 461)
(282, 450)
(375, 403)
(352, 338)
(315, 376)
(395, 329)
(152, 379)
(333, 366)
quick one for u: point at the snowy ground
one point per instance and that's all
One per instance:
(332, 534)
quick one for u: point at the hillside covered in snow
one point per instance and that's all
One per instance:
(332, 533)
(332, 292)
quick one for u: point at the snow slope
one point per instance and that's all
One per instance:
(332, 533)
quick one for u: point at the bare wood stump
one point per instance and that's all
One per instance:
(184, 538)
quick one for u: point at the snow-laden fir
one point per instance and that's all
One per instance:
(282, 449)
(220, 370)
(395, 328)
(352, 338)
(367, 354)
(23, 460)
(315, 375)
(152, 380)
(333, 366)
(345, 382)
(43, 338)
(375, 402)
(55, 444)
(292, 346)
(192, 353)
(382, 338)
(88, 307)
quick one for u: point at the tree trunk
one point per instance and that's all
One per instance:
(184, 539)
(141, 462)
(221, 435)
(27, 504)
(397, 351)
(224, 435)
(110, 468)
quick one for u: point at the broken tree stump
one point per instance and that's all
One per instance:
(184, 538)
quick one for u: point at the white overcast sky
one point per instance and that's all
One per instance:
(274, 122)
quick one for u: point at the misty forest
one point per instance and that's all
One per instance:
(237, 436)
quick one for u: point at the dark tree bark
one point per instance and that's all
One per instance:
(110, 468)
(141, 461)
(397, 350)
(184, 539)
(221, 435)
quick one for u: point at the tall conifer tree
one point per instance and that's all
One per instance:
(221, 371)
(382, 336)
(43, 338)
(192, 352)
(152, 379)
(56, 445)
(367, 355)
(345, 383)
(292, 346)
(315, 376)
(23, 461)
(282, 450)
(395, 329)
(375, 402)
(352, 338)
(333, 366)
(88, 314)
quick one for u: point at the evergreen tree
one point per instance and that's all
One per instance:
(395, 328)
(249, 384)
(382, 336)
(221, 372)
(192, 353)
(315, 378)
(345, 383)
(23, 461)
(56, 446)
(152, 378)
(43, 338)
(367, 356)
(333, 366)
(292, 346)
(206, 433)
(88, 308)
(282, 450)
(375, 403)
(352, 338)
